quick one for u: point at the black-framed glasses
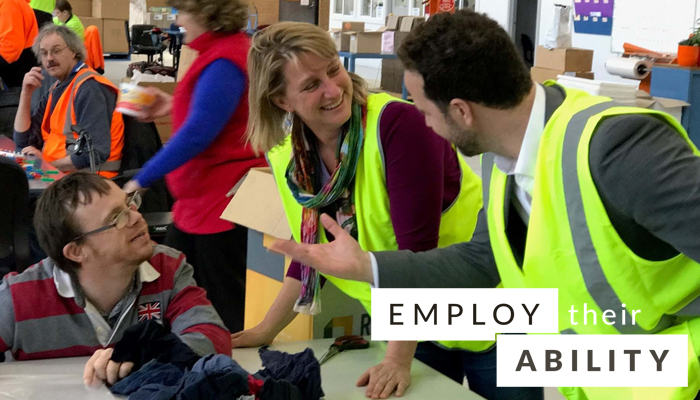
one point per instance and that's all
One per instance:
(133, 202)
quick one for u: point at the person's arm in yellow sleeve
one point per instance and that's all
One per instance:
(11, 33)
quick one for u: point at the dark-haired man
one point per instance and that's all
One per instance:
(580, 194)
(103, 275)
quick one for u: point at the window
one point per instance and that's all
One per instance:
(369, 8)
(346, 7)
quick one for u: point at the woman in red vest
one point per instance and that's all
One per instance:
(206, 155)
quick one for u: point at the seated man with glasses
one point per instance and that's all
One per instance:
(103, 275)
(81, 97)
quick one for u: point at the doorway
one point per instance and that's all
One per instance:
(299, 11)
(525, 29)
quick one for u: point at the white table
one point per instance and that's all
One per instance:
(62, 378)
(59, 378)
(339, 374)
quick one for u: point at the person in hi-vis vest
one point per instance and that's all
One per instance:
(63, 15)
(581, 194)
(18, 29)
(80, 97)
(370, 161)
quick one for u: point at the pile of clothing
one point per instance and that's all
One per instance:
(167, 369)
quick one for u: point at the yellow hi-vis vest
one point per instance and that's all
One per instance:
(571, 245)
(375, 230)
(46, 6)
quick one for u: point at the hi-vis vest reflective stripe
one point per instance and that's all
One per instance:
(56, 127)
(572, 246)
(374, 226)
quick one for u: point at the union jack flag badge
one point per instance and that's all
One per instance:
(149, 311)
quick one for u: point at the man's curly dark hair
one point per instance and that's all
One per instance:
(468, 56)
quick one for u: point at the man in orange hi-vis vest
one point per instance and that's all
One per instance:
(18, 30)
(80, 97)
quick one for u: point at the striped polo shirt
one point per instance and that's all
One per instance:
(42, 315)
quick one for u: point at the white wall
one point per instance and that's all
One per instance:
(598, 43)
(500, 10)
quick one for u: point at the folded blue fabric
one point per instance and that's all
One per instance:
(216, 376)
(212, 377)
(301, 370)
(155, 381)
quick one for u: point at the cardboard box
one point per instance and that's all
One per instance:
(366, 42)
(113, 9)
(543, 74)
(341, 39)
(156, 3)
(114, 36)
(81, 7)
(392, 76)
(410, 23)
(392, 22)
(165, 124)
(388, 42)
(88, 21)
(161, 10)
(352, 26)
(670, 106)
(187, 56)
(258, 206)
(171, 19)
(399, 38)
(161, 20)
(569, 59)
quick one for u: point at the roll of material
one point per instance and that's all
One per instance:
(631, 68)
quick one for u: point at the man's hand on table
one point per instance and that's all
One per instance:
(100, 369)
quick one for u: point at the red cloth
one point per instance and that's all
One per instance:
(200, 185)
(255, 386)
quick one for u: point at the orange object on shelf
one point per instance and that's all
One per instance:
(439, 6)
(688, 55)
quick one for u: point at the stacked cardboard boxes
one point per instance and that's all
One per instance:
(367, 42)
(342, 36)
(397, 28)
(81, 7)
(156, 3)
(562, 61)
(160, 15)
(110, 18)
(160, 19)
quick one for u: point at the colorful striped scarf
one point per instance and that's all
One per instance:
(302, 173)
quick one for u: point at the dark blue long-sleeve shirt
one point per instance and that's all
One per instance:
(94, 106)
(217, 94)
